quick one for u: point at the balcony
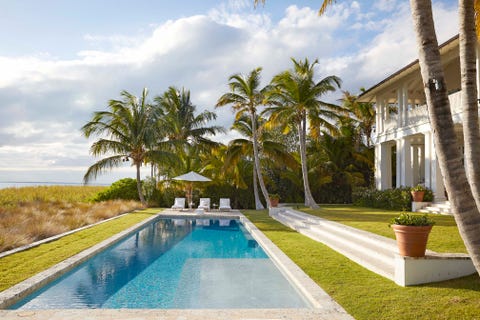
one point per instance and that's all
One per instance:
(418, 115)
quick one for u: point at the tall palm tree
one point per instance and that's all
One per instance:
(186, 131)
(295, 99)
(464, 206)
(241, 147)
(245, 96)
(181, 122)
(127, 132)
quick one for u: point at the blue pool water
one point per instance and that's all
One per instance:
(174, 263)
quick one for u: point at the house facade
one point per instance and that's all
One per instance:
(404, 148)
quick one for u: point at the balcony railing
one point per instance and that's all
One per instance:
(419, 114)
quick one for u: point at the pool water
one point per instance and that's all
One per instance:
(174, 263)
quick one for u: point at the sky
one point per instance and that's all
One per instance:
(62, 60)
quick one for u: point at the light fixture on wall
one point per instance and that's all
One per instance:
(437, 84)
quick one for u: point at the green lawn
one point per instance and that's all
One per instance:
(364, 294)
(443, 238)
(22, 265)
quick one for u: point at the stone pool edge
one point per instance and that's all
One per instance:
(323, 306)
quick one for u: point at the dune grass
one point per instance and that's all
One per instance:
(22, 265)
(15, 196)
(364, 294)
(444, 236)
(30, 214)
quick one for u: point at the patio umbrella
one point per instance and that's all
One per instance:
(191, 177)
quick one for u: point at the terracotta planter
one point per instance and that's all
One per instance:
(418, 196)
(274, 202)
(412, 240)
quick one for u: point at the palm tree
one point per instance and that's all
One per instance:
(295, 97)
(272, 149)
(245, 96)
(186, 131)
(128, 132)
(468, 57)
(180, 121)
(363, 113)
(465, 209)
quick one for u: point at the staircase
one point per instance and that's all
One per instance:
(371, 251)
(376, 253)
(438, 208)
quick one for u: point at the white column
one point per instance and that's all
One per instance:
(399, 161)
(383, 166)
(400, 107)
(415, 165)
(378, 166)
(407, 163)
(405, 104)
(428, 159)
(381, 116)
(404, 163)
(421, 164)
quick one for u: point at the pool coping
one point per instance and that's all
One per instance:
(323, 306)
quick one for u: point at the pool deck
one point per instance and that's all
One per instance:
(323, 306)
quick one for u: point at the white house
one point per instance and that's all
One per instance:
(404, 148)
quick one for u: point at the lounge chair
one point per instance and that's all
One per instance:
(179, 203)
(204, 204)
(224, 204)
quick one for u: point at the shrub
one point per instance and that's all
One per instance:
(390, 199)
(405, 219)
(125, 189)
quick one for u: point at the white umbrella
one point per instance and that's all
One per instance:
(191, 177)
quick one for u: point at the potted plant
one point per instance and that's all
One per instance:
(411, 232)
(274, 199)
(418, 192)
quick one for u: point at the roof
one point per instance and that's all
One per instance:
(369, 95)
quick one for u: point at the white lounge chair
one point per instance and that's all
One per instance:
(204, 204)
(179, 203)
(224, 204)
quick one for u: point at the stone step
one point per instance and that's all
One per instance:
(374, 252)
(335, 227)
(386, 270)
(438, 208)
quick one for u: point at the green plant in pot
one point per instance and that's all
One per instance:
(418, 193)
(274, 199)
(411, 232)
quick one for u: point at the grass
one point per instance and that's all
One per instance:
(13, 196)
(444, 236)
(364, 294)
(22, 265)
(33, 213)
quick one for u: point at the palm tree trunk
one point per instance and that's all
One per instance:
(471, 131)
(257, 159)
(465, 211)
(139, 185)
(302, 131)
(258, 203)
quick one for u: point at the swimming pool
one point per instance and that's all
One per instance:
(174, 263)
